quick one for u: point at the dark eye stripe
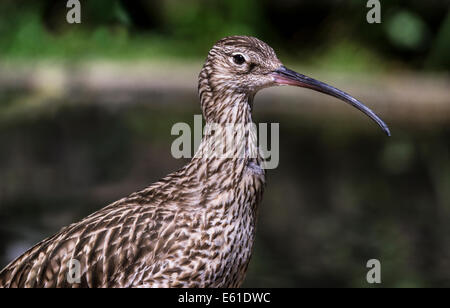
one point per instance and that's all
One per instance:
(238, 59)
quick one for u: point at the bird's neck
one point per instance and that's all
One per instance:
(228, 111)
(224, 108)
(229, 132)
(221, 102)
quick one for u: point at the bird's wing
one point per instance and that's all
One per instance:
(103, 244)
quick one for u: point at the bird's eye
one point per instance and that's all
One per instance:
(238, 59)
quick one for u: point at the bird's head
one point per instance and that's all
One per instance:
(243, 65)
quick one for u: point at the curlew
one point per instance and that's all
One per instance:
(196, 226)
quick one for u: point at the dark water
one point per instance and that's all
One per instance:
(343, 192)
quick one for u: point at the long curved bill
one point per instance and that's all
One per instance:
(285, 76)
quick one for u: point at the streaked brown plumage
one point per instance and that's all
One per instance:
(196, 226)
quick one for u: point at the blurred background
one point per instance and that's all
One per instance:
(86, 111)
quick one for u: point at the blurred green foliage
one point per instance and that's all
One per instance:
(406, 30)
(413, 34)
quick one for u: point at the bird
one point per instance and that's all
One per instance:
(196, 226)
